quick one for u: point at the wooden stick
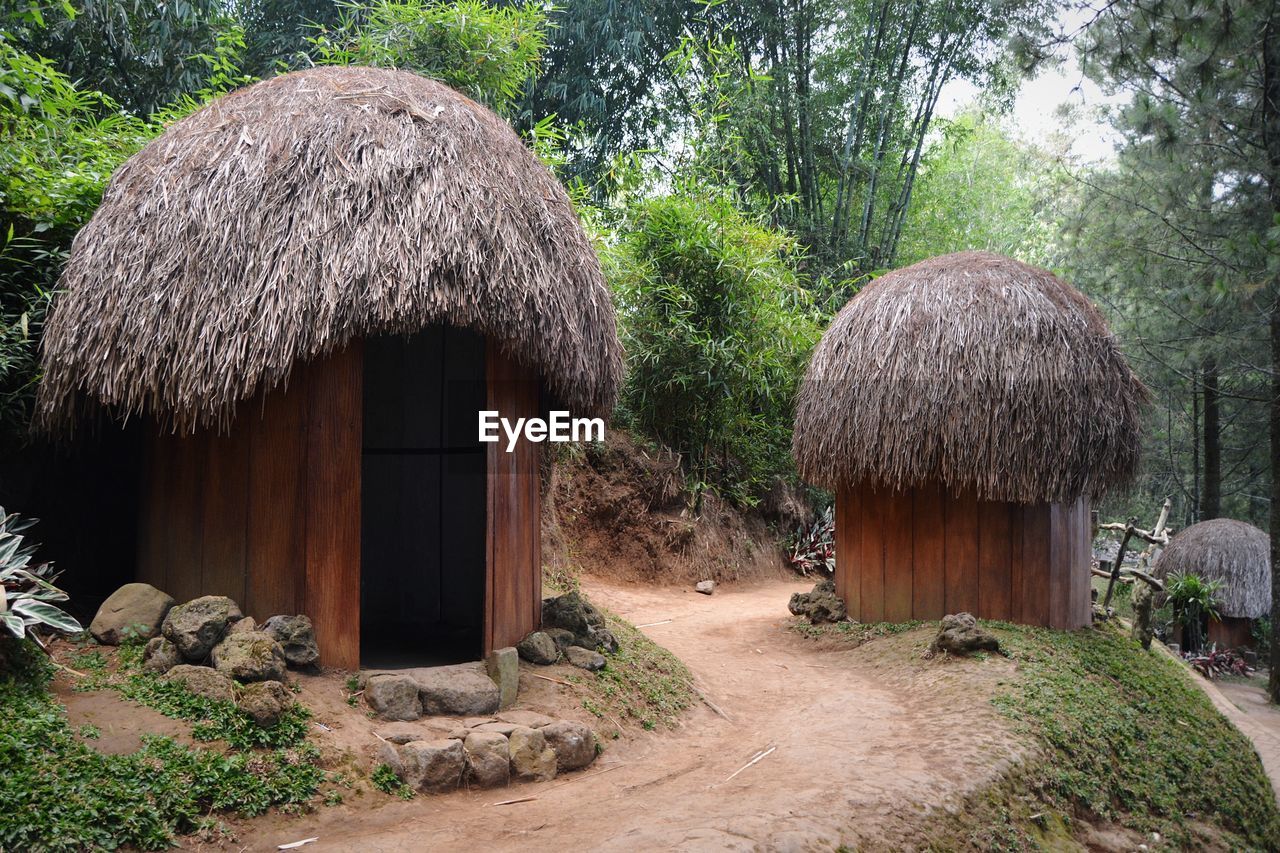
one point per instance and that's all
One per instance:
(760, 756)
(652, 624)
(707, 699)
(552, 680)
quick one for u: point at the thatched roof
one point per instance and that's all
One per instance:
(284, 219)
(976, 372)
(1221, 549)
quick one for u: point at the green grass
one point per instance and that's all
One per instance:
(643, 682)
(852, 633)
(1130, 739)
(57, 793)
(212, 720)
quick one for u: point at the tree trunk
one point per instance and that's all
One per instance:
(1271, 143)
(1211, 504)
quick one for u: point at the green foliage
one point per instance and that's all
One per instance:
(27, 592)
(491, 53)
(1192, 600)
(215, 720)
(642, 681)
(978, 189)
(57, 793)
(717, 329)
(386, 781)
(1131, 739)
(851, 634)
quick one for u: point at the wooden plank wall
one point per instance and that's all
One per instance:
(924, 553)
(270, 514)
(513, 576)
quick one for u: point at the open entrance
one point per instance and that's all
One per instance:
(423, 511)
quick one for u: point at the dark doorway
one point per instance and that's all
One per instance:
(423, 505)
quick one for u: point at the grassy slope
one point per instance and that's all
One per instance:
(1129, 740)
(57, 793)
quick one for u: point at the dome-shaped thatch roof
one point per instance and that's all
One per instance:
(282, 220)
(973, 371)
(1232, 552)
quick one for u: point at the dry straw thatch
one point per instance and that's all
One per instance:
(1222, 549)
(974, 371)
(287, 218)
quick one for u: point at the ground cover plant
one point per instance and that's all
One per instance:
(58, 793)
(1130, 739)
(642, 683)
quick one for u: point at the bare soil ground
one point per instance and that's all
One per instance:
(866, 742)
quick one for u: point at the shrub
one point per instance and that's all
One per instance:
(717, 329)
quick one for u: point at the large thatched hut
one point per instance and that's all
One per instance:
(306, 291)
(1238, 557)
(964, 410)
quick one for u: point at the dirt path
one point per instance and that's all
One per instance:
(864, 742)
(1246, 705)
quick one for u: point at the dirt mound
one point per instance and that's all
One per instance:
(620, 510)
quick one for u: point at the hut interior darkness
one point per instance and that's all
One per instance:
(964, 411)
(305, 292)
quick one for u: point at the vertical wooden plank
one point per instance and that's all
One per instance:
(898, 573)
(277, 556)
(848, 549)
(928, 554)
(183, 552)
(871, 563)
(153, 505)
(1017, 562)
(333, 505)
(1037, 561)
(1059, 565)
(225, 513)
(513, 606)
(1084, 560)
(961, 553)
(994, 560)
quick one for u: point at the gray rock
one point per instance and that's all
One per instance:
(574, 744)
(244, 626)
(705, 587)
(586, 659)
(532, 719)
(471, 722)
(137, 608)
(393, 697)
(819, 605)
(500, 728)
(202, 681)
(265, 701)
(531, 758)
(538, 648)
(297, 637)
(460, 690)
(961, 634)
(250, 656)
(200, 624)
(601, 639)
(488, 760)
(572, 612)
(404, 735)
(427, 765)
(503, 667)
(563, 639)
(160, 656)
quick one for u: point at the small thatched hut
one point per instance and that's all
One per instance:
(307, 290)
(964, 410)
(1238, 556)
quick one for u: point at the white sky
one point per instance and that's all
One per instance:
(1036, 115)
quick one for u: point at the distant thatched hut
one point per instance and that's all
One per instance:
(1238, 556)
(964, 410)
(308, 289)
